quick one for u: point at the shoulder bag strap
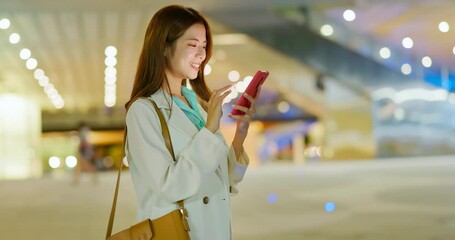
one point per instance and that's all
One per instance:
(167, 140)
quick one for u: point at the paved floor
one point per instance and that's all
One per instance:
(384, 199)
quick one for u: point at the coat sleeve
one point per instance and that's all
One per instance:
(170, 180)
(237, 169)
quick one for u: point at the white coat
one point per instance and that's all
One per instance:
(206, 168)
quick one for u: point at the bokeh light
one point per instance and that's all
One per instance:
(272, 198)
(406, 69)
(54, 162)
(71, 161)
(444, 27)
(330, 207)
(327, 30)
(349, 15)
(384, 52)
(408, 42)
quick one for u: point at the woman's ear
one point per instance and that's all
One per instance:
(167, 51)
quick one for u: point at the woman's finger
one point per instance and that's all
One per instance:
(225, 94)
(223, 89)
(250, 98)
(244, 118)
(242, 108)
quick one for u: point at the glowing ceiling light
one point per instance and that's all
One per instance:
(406, 69)
(25, 54)
(110, 51)
(43, 81)
(38, 74)
(384, 52)
(444, 27)
(53, 95)
(327, 30)
(233, 76)
(5, 23)
(59, 104)
(110, 71)
(51, 92)
(407, 42)
(110, 79)
(427, 62)
(453, 50)
(349, 15)
(110, 61)
(110, 76)
(110, 88)
(48, 87)
(109, 102)
(31, 63)
(14, 38)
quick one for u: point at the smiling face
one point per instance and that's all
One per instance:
(187, 54)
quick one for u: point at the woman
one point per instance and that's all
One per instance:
(177, 46)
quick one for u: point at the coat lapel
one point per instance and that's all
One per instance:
(177, 119)
(182, 123)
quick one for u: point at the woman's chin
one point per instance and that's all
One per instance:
(192, 77)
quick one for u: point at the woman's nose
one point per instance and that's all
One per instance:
(201, 53)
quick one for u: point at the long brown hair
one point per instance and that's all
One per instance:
(165, 27)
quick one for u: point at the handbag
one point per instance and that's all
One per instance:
(172, 226)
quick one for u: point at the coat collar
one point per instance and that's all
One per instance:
(177, 119)
(162, 99)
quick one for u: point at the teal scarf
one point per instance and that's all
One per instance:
(191, 112)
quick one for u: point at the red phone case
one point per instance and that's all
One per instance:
(251, 90)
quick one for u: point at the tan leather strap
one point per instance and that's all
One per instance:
(168, 142)
(164, 129)
(114, 203)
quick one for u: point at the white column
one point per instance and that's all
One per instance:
(20, 134)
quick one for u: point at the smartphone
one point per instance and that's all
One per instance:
(251, 90)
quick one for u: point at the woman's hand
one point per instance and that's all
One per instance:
(214, 108)
(243, 121)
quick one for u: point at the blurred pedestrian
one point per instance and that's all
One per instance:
(85, 155)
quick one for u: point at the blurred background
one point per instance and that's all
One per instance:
(353, 84)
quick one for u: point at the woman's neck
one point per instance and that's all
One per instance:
(175, 85)
(178, 94)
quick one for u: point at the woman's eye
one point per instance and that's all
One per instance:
(192, 45)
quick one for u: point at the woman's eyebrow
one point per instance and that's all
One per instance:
(195, 39)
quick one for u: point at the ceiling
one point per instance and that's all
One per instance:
(389, 22)
(68, 39)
